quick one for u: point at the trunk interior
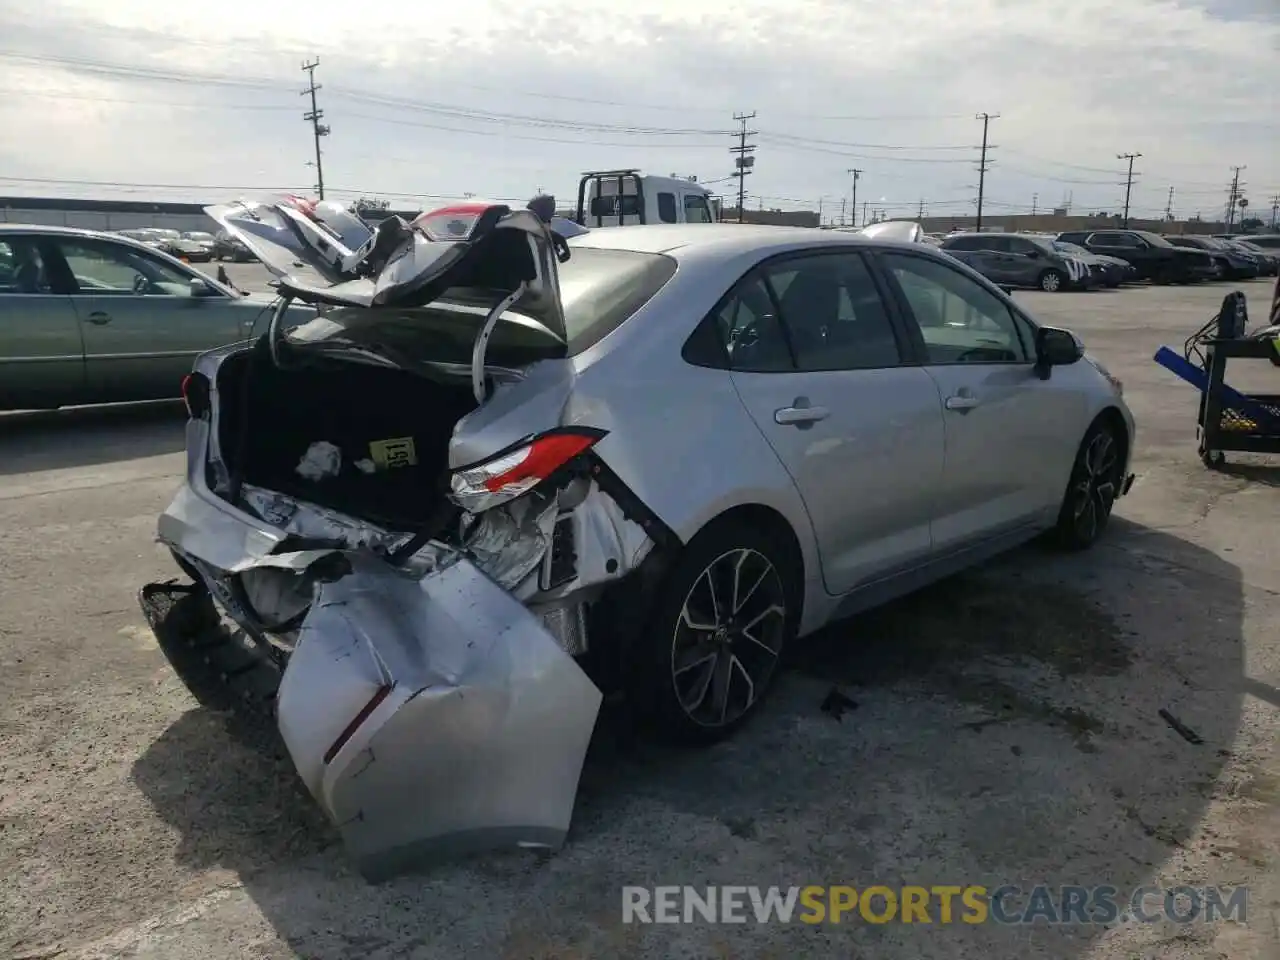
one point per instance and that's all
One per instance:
(352, 406)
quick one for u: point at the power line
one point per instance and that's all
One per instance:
(313, 116)
(986, 119)
(744, 162)
(1128, 183)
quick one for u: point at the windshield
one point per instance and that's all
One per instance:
(165, 234)
(1154, 239)
(1065, 247)
(198, 237)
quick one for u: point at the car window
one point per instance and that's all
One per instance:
(960, 320)
(833, 313)
(998, 244)
(22, 268)
(110, 269)
(696, 209)
(667, 207)
(962, 243)
(751, 332)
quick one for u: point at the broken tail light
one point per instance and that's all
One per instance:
(463, 221)
(517, 470)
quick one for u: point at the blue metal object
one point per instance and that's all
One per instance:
(1198, 377)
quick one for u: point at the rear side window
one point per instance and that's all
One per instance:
(667, 207)
(601, 289)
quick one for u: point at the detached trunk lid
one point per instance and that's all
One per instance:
(478, 256)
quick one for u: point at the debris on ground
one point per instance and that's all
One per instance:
(837, 704)
(1182, 729)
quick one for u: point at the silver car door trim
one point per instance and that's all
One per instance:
(962, 404)
(796, 416)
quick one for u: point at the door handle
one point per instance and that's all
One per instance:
(962, 403)
(800, 416)
(99, 318)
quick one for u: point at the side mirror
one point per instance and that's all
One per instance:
(1033, 254)
(1056, 348)
(199, 288)
(1008, 290)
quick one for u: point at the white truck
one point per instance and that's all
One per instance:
(611, 198)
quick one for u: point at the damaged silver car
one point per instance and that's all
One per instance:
(500, 473)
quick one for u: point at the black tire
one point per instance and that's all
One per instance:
(1094, 485)
(665, 694)
(1052, 281)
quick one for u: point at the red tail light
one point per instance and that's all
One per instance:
(515, 472)
(351, 728)
(195, 394)
(462, 221)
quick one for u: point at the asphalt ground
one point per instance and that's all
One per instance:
(1006, 729)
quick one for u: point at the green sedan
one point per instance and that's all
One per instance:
(89, 317)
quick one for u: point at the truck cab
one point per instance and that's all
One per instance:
(613, 198)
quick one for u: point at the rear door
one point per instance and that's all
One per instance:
(1005, 427)
(140, 320)
(819, 361)
(41, 353)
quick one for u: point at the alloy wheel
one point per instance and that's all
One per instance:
(728, 637)
(1094, 492)
(1051, 282)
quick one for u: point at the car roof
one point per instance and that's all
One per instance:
(724, 239)
(64, 231)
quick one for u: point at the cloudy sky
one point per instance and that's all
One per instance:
(427, 101)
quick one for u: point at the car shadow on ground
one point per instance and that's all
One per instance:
(1002, 727)
(88, 436)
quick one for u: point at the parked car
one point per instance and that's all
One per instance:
(1268, 241)
(1020, 260)
(1153, 257)
(202, 238)
(107, 318)
(145, 235)
(1112, 270)
(1228, 263)
(227, 247)
(1268, 259)
(490, 489)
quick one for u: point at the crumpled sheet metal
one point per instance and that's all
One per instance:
(509, 543)
(479, 743)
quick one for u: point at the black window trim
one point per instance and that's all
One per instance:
(696, 350)
(922, 348)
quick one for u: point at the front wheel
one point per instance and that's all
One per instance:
(714, 644)
(1092, 490)
(1051, 281)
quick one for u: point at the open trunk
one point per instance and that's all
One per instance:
(368, 441)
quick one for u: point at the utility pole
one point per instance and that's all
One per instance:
(1168, 207)
(314, 116)
(744, 163)
(1035, 201)
(920, 210)
(864, 212)
(986, 119)
(1275, 210)
(843, 201)
(1235, 197)
(853, 202)
(1128, 183)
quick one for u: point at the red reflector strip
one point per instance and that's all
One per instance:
(546, 456)
(354, 725)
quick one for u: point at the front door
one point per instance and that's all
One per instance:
(1004, 425)
(818, 363)
(141, 322)
(41, 354)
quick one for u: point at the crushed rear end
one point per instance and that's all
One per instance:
(412, 625)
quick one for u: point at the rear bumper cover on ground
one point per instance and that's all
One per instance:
(429, 713)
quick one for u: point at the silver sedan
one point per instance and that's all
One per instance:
(501, 474)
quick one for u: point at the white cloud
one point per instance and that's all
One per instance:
(1189, 85)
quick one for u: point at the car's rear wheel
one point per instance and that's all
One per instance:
(1051, 281)
(714, 642)
(1096, 478)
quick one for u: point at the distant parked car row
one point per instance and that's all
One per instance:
(1086, 259)
(193, 247)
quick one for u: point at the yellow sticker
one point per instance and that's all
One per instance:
(398, 452)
